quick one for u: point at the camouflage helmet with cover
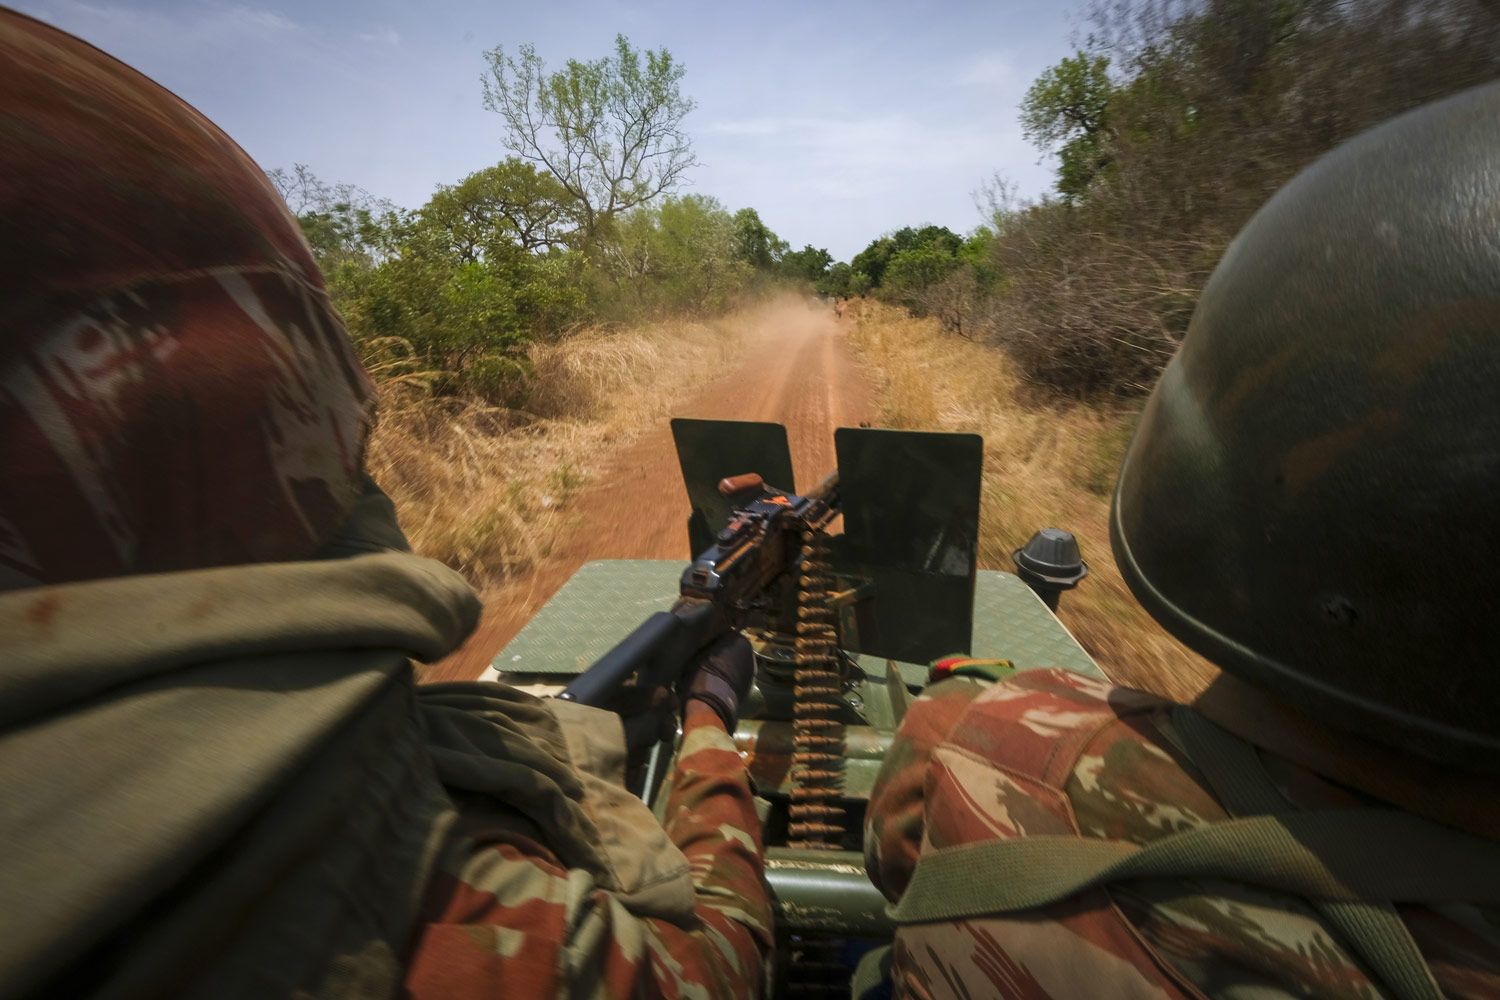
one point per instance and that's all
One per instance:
(176, 389)
(1312, 497)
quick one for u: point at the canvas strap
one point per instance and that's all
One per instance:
(1371, 928)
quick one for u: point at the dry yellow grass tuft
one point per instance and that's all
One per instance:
(1045, 464)
(485, 488)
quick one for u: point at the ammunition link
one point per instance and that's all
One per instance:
(817, 820)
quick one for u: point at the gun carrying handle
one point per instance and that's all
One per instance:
(732, 485)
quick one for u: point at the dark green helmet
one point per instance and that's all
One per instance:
(1312, 499)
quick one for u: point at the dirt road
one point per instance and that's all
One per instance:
(796, 370)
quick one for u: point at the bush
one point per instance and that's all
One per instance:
(910, 273)
(493, 264)
(683, 257)
(1211, 106)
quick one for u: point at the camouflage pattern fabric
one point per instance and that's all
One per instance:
(176, 391)
(509, 919)
(1052, 752)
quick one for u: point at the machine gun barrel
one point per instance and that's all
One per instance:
(654, 653)
(827, 491)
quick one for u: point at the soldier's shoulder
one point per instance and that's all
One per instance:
(1032, 721)
(1065, 697)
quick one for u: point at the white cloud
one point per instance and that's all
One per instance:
(993, 69)
(855, 158)
(384, 35)
(203, 24)
(388, 100)
(752, 126)
(241, 15)
(201, 49)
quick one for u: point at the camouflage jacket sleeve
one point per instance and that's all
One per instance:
(1050, 752)
(539, 929)
(893, 824)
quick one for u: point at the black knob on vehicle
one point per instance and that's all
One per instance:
(1050, 563)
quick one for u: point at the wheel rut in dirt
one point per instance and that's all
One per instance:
(797, 369)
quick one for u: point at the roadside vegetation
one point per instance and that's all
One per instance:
(580, 226)
(1173, 122)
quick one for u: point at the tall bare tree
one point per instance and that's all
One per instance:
(610, 130)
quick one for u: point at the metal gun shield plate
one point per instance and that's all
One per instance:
(911, 530)
(711, 450)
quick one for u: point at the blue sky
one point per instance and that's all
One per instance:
(836, 121)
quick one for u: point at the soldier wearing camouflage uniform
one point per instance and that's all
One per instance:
(219, 776)
(1309, 501)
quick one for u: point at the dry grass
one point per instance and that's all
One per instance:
(485, 488)
(1044, 465)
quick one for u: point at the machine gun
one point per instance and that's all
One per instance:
(740, 581)
(767, 569)
(898, 582)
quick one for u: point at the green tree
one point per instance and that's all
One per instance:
(679, 256)
(343, 223)
(511, 203)
(755, 243)
(912, 272)
(1067, 110)
(610, 130)
(870, 262)
(838, 282)
(978, 255)
(873, 259)
(809, 264)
